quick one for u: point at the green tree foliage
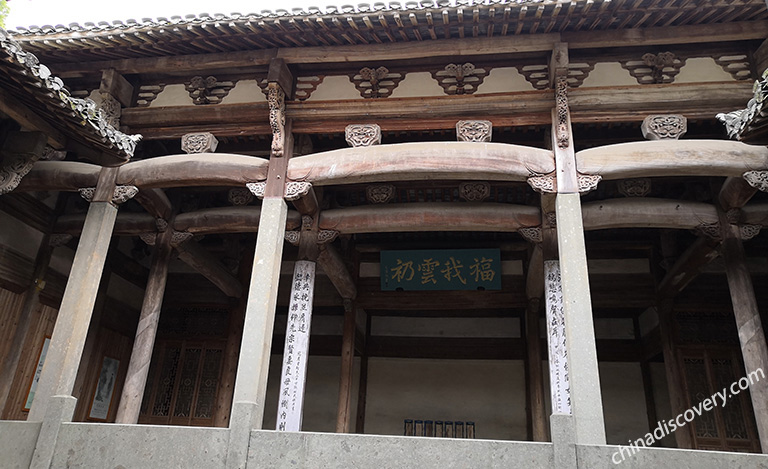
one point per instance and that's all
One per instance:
(4, 9)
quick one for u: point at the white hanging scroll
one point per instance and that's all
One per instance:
(296, 351)
(558, 355)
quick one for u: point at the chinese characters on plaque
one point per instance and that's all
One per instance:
(296, 351)
(441, 269)
(558, 354)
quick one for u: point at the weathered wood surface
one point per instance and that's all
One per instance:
(21, 113)
(227, 220)
(344, 407)
(155, 202)
(59, 176)
(422, 161)
(127, 224)
(27, 209)
(640, 212)
(430, 217)
(755, 214)
(735, 193)
(535, 372)
(672, 158)
(183, 65)
(333, 266)
(209, 266)
(200, 169)
(687, 267)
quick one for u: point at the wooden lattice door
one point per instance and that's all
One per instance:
(183, 383)
(705, 372)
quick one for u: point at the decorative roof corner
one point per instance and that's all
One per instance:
(750, 124)
(80, 116)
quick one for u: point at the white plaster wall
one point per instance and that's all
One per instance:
(335, 87)
(702, 69)
(489, 393)
(418, 84)
(609, 74)
(18, 236)
(245, 91)
(502, 80)
(621, 385)
(173, 95)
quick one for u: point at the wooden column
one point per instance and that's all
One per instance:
(362, 389)
(748, 323)
(535, 378)
(347, 368)
(144, 343)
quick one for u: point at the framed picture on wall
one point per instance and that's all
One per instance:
(38, 372)
(102, 395)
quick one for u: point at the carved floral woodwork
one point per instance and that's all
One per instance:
(710, 230)
(276, 101)
(562, 130)
(538, 74)
(543, 184)
(748, 232)
(208, 90)
(293, 237)
(380, 193)
(239, 196)
(664, 127)
(295, 190)
(757, 179)
(474, 191)
(161, 224)
(588, 182)
(637, 187)
(531, 234)
(326, 236)
(121, 194)
(180, 237)
(551, 218)
(654, 68)
(362, 135)
(460, 79)
(149, 238)
(376, 83)
(474, 131)
(257, 188)
(14, 168)
(201, 142)
(110, 109)
(51, 154)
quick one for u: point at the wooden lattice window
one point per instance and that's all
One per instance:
(439, 428)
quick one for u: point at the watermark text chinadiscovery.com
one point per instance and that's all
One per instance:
(666, 427)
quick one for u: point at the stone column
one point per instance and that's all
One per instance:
(144, 343)
(296, 350)
(54, 402)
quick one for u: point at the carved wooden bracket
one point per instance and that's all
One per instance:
(639, 187)
(59, 239)
(121, 195)
(293, 237)
(710, 230)
(460, 79)
(531, 234)
(474, 131)
(111, 109)
(161, 224)
(748, 232)
(376, 83)
(561, 101)
(208, 90)
(538, 75)
(551, 218)
(257, 188)
(240, 196)
(180, 237)
(296, 189)
(51, 154)
(588, 182)
(474, 191)
(201, 142)
(654, 68)
(276, 101)
(380, 193)
(326, 236)
(149, 238)
(148, 93)
(664, 127)
(757, 179)
(14, 168)
(362, 135)
(735, 64)
(547, 184)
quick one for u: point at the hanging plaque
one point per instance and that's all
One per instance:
(441, 269)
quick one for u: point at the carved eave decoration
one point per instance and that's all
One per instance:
(750, 125)
(208, 90)
(22, 74)
(460, 78)
(376, 82)
(538, 74)
(654, 68)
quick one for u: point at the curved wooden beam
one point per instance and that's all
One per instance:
(430, 217)
(755, 214)
(422, 161)
(126, 224)
(59, 176)
(199, 169)
(672, 158)
(646, 213)
(227, 220)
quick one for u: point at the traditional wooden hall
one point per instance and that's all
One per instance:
(443, 233)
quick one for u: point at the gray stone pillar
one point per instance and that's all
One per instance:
(256, 346)
(54, 402)
(583, 375)
(144, 343)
